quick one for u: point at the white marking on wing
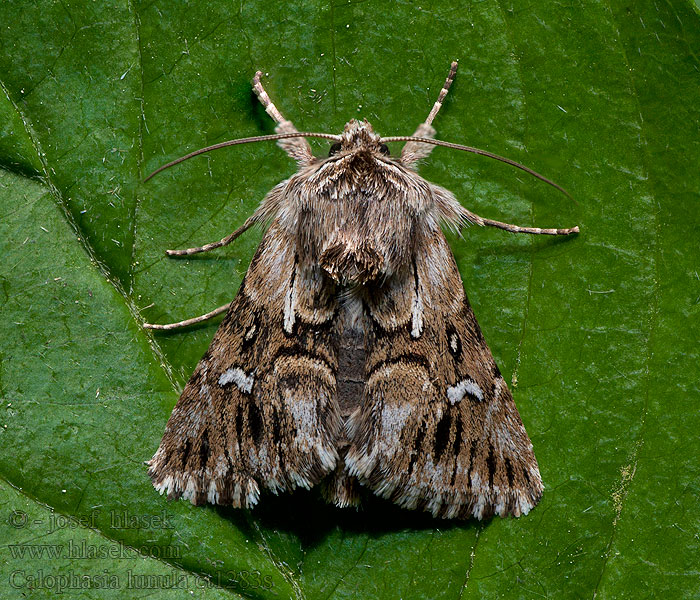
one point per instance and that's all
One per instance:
(456, 393)
(289, 316)
(417, 317)
(238, 376)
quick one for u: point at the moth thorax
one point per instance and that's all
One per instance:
(347, 261)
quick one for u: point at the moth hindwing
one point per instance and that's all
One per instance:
(351, 357)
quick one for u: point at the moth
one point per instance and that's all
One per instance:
(350, 356)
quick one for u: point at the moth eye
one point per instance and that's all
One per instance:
(384, 149)
(335, 148)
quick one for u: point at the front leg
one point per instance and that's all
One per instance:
(296, 148)
(412, 152)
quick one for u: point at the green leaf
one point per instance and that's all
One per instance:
(50, 553)
(598, 334)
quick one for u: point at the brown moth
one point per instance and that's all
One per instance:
(350, 356)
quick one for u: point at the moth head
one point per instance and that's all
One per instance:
(358, 138)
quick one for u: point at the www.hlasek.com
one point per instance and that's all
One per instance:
(83, 550)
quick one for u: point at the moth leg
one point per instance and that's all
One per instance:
(441, 96)
(223, 242)
(414, 151)
(187, 322)
(296, 148)
(474, 218)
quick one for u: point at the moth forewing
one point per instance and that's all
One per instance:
(351, 356)
(260, 409)
(438, 428)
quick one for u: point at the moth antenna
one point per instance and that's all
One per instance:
(486, 153)
(249, 140)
